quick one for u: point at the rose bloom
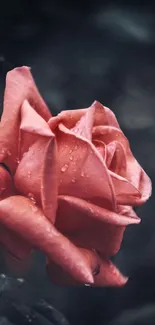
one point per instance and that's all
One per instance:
(68, 185)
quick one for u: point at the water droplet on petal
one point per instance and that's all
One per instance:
(29, 174)
(113, 269)
(24, 154)
(91, 210)
(34, 208)
(2, 276)
(31, 197)
(9, 153)
(17, 160)
(82, 174)
(64, 168)
(71, 158)
(3, 151)
(87, 285)
(73, 180)
(76, 147)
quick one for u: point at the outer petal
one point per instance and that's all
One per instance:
(19, 86)
(91, 226)
(77, 158)
(19, 214)
(105, 273)
(109, 275)
(134, 174)
(116, 158)
(127, 211)
(92, 213)
(14, 244)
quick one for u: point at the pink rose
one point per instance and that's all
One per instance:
(68, 185)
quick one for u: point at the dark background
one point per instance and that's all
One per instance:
(103, 50)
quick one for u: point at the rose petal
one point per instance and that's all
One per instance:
(30, 170)
(127, 211)
(18, 214)
(77, 158)
(31, 128)
(116, 159)
(104, 115)
(126, 193)
(111, 148)
(69, 118)
(105, 273)
(108, 134)
(87, 212)
(14, 244)
(100, 146)
(30, 173)
(19, 86)
(109, 275)
(37, 177)
(145, 186)
(91, 226)
(61, 277)
(84, 126)
(135, 175)
(49, 181)
(27, 140)
(32, 122)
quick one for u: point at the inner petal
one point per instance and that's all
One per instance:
(116, 158)
(77, 158)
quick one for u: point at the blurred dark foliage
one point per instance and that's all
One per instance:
(100, 50)
(13, 312)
